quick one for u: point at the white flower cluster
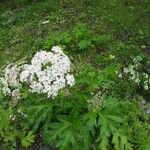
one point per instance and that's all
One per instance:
(47, 74)
(11, 82)
(135, 75)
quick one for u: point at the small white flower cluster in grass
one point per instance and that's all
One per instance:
(11, 82)
(133, 73)
(47, 74)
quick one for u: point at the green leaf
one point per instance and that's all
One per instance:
(28, 140)
(121, 140)
(84, 44)
(140, 32)
(41, 113)
(69, 133)
(104, 142)
(4, 118)
(91, 120)
(109, 121)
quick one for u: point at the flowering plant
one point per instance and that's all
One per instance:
(48, 73)
(134, 74)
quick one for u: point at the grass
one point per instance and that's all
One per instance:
(22, 32)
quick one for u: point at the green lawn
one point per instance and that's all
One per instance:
(22, 32)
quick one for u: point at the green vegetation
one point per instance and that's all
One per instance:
(108, 44)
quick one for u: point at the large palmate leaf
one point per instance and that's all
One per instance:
(40, 113)
(4, 118)
(69, 133)
(121, 140)
(27, 140)
(110, 124)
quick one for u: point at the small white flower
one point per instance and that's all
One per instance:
(145, 75)
(11, 81)
(133, 77)
(137, 80)
(131, 66)
(131, 71)
(16, 94)
(19, 111)
(146, 87)
(120, 75)
(125, 70)
(45, 22)
(70, 80)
